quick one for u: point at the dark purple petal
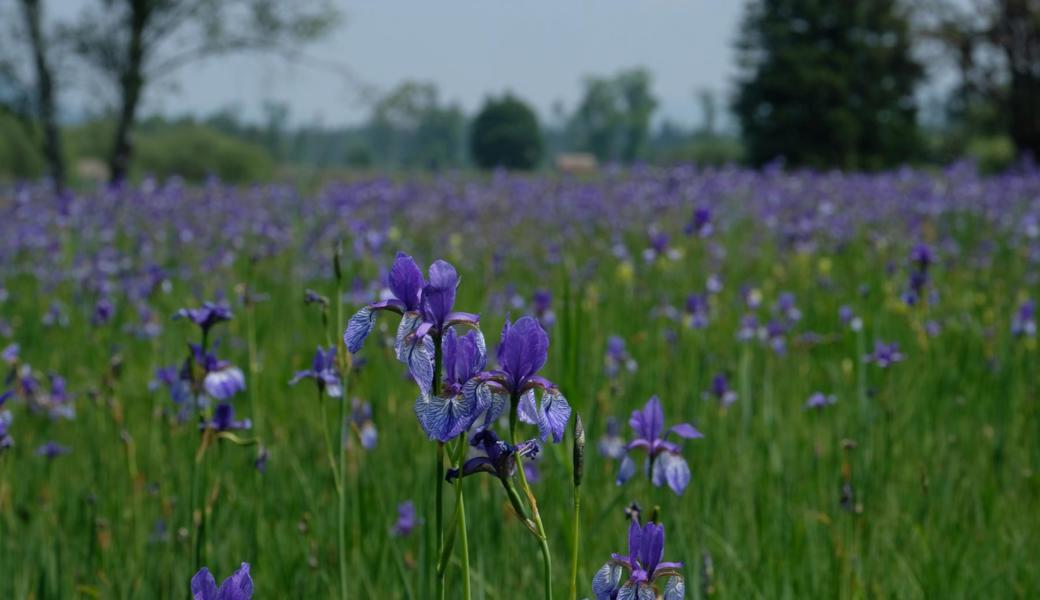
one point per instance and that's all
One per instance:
(406, 281)
(203, 586)
(523, 350)
(237, 587)
(685, 430)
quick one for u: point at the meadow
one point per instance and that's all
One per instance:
(858, 351)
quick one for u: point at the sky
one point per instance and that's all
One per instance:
(540, 50)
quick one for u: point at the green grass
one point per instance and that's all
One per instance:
(944, 466)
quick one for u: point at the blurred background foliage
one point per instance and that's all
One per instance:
(820, 84)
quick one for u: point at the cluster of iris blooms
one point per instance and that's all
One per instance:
(461, 402)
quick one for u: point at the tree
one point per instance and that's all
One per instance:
(613, 119)
(409, 127)
(505, 133)
(995, 45)
(826, 83)
(132, 43)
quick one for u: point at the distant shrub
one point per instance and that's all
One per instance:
(196, 152)
(992, 154)
(19, 154)
(505, 134)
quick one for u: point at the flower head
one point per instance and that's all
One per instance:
(454, 408)
(224, 419)
(323, 372)
(207, 315)
(819, 400)
(884, 355)
(406, 519)
(1024, 321)
(646, 568)
(361, 419)
(239, 586)
(52, 450)
(5, 425)
(664, 458)
(499, 456)
(721, 391)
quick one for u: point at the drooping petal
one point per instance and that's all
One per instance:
(406, 281)
(417, 353)
(224, 383)
(626, 471)
(477, 464)
(444, 418)
(527, 410)
(675, 589)
(553, 416)
(671, 469)
(636, 591)
(462, 318)
(237, 587)
(358, 328)
(685, 430)
(606, 581)
(203, 586)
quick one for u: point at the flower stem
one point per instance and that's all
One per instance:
(342, 512)
(439, 516)
(574, 548)
(461, 519)
(543, 542)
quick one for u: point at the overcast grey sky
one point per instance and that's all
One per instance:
(539, 49)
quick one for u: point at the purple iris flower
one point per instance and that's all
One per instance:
(787, 308)
(323, 372)
(224, 419)
(52, 450)
(10, 353)
(664, 462)
(774, 334)
(522, 352)
(721, 391)
(819, 400)
(5, 396)
(612, 445)
(922, 256)
(361, 419)
(499, 456)
(427, 307)
(176, 381)
(646, 569)
(406, 520)
(849, 319)
(884, 355)
(445, 415)
(238, 586)
(542, 304)
(207, 315)
(222, 380)
(1024, 321)
(103, 312)
(617, 356)
(697, 310)
(5, 425)
(27, 381)
(700, 224)
(748, 328)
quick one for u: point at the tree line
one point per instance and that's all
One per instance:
(821, 84)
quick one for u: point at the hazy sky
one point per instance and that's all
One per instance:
(539, 49)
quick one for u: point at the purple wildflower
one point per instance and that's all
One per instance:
(700, 224)
(52, 450)
(238, 586)
(10, 353)
(224, 419)
(617, 356)
(721, 391)
(697, 310)
(664, 462)
(884, 355)
(499, 456)
(445, 415)
(361, 419)
(5, 424)
(819, 400)
(207, 315)
(849, 319)
(645, 566)
(323, 372)
(406, 520)
(1024, 321)
(542, 305)
(612, 445)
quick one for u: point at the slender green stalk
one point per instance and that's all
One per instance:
(576, 532)
(460, 518)
(543, 544)
(861, 372)
(342, 512)
(438, 473)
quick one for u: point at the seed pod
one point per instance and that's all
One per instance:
(579, 450)
(336, 267)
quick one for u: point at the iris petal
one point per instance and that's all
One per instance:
(203, 586)
(675, 589)
(606, 581)
(553, 416)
